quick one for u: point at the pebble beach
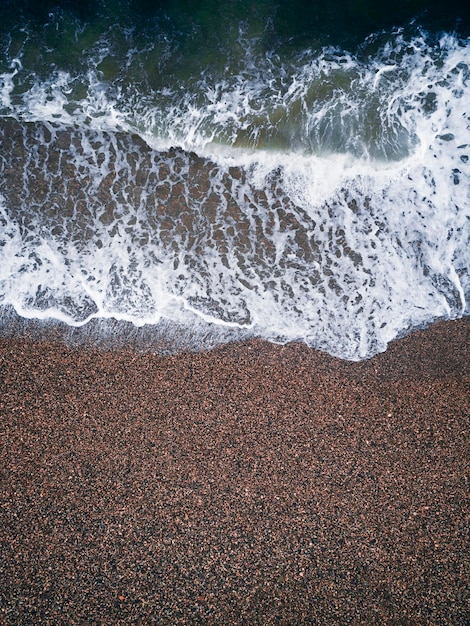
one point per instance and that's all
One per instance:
(252, 484)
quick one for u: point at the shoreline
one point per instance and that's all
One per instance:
(167, 337)
(255, 483)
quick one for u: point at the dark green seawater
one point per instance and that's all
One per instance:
(295, 171)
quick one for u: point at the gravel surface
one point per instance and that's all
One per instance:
(254, 484)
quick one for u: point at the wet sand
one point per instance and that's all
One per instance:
(254, 484)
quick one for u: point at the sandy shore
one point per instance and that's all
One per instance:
(256, 484)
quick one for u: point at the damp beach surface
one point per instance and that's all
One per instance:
(253, 484)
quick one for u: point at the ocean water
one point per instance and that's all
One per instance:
(212, 171)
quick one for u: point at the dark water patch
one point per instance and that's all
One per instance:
(196, 36)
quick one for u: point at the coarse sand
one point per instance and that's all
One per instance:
(254, 484)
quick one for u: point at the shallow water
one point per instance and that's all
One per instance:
(235, 176)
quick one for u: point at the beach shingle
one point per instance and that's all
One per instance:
(255, 484)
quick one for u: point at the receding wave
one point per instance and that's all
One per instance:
(323, 198)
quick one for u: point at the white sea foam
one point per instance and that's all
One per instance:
(325, 200)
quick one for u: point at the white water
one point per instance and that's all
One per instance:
(329, 200)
